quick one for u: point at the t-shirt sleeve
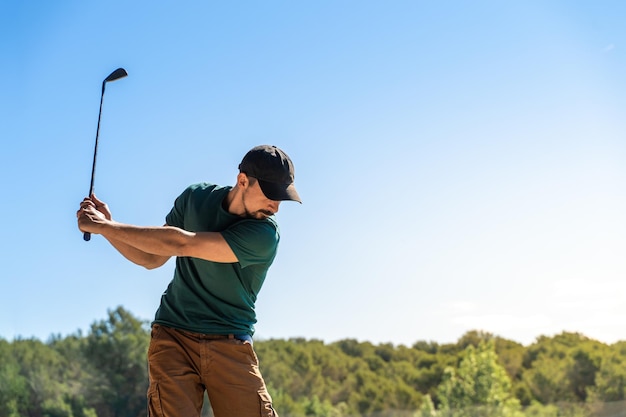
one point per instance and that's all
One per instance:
(176, 216)
(253, 241)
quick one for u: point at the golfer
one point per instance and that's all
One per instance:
(224, 239)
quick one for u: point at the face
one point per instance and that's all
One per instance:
(256, 205)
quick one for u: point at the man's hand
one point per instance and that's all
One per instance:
(101, 206)
(92, 215)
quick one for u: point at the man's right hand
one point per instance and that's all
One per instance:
(101, 206)
(89, 218)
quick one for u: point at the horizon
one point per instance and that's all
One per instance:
(85, 332)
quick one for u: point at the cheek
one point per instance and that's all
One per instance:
(255, 200)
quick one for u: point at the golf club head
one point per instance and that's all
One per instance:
(116, 75)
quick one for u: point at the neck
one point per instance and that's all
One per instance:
(233, 202)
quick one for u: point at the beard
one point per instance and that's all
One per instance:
(257, 214)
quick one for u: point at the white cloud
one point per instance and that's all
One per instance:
(594, 308)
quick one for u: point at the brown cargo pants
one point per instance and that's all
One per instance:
(182, 365)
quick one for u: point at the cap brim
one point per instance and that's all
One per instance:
(279, 192)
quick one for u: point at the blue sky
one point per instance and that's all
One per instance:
(462, 164)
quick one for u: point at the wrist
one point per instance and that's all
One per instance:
(104, 227)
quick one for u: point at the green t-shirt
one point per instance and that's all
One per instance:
(211, 297)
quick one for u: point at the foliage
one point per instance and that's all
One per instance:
(479, 385)
(564, 368)
(35, 380)
(103, 373)
(115, 350)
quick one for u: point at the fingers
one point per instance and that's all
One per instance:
(97, 201)
(84, 205)
(89, 219)
(87, 203)
(83, 216)
(92, 214)
(84, 212)
(102, 207)
(86, 223)
(87, 215)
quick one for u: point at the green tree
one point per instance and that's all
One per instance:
(427, 408)
(582, 373)
(116, 352)
(13, 386)
(610, 378)
(45, 387)
(480, 382)
(562, 368)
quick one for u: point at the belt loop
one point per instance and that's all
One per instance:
(231, 336)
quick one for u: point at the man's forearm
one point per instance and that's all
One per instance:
(161, 241)
(136, 256)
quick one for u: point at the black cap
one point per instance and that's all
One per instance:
(274, 171)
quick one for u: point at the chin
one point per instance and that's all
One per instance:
(257, 215)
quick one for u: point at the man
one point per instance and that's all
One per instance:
(224, 240)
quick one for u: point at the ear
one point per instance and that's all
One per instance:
(242, 180)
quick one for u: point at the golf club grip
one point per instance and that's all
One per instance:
(86, 236)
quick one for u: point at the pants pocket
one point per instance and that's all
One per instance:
(267, 410)
(154, 334)
(154, 401)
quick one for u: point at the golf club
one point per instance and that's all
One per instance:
(115, 75)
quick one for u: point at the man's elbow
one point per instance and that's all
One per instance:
(155, 262)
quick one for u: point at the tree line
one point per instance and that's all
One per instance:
(103, 373)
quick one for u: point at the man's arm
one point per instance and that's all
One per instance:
(136, 256)
(163, 241)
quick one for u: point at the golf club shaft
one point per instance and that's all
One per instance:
(115, 75)
(87, 235)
